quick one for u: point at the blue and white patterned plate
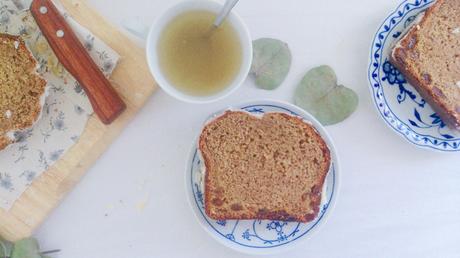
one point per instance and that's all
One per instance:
(256, 236)
(399, 104)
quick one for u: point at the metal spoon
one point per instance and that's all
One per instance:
(228, 6)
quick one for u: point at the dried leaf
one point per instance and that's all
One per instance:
(271, 62)
(319, 94)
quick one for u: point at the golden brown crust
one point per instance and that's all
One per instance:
(421, 87)
(280, 214)
(4, 142)
(403, 57)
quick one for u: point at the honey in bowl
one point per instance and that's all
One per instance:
(197, 59)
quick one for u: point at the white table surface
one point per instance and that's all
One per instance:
(395, 200)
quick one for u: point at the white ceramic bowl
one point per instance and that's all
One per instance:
(165, 19)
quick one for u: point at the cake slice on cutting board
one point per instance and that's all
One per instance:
(269, 167)
(22, 90)
(429, 57)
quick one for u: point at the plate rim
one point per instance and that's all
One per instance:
(404, 133)
(200, 217)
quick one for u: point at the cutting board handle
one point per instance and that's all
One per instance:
(106, 103)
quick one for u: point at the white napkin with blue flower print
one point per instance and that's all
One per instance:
(66, 110)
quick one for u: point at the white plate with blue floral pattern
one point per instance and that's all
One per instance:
(262, 236)
(398, 103)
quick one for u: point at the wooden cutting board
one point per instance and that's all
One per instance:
(135, 84)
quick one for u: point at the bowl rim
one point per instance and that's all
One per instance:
(172, 12)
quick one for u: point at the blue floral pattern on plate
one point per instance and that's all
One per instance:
(399, 104)
(260, 236)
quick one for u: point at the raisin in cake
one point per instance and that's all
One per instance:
(22, 90)
(271, 167)
(429, 57)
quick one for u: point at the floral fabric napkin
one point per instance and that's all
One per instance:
(66, 109)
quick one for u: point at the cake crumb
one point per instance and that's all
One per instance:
(141, 205)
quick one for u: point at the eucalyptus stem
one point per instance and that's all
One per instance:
(50, 251)
(5, 255)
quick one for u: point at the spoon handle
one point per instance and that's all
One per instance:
(229, 4)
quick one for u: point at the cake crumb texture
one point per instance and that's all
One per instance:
(21, 88)
(272, 167)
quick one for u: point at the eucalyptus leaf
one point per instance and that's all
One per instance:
(271, 62)
(26, 248)
(319, 94)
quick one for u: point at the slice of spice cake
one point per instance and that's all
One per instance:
(272, 167)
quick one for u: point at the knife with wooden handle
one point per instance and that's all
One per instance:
(106, 103)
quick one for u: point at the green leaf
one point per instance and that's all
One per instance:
(271, 62)
(5, 248)
(319, 94)
(26, 248)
